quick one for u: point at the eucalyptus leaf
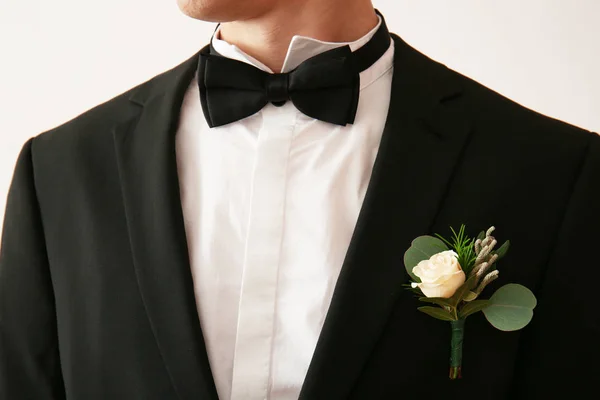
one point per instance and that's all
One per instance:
(473, 307)
(438, 313)
(501, 252)
(460, 293)
(511, 307)
(440, 301)
(422, 248)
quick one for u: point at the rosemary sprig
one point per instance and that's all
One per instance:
(464, 248)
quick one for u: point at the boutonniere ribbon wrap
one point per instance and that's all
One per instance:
(451, 275)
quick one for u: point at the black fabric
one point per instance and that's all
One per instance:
(325, 86)
(96, 293)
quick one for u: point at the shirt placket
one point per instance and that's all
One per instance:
(256, 318)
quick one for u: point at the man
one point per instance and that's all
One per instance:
(235, 227)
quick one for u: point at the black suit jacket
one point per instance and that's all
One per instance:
(96, 298)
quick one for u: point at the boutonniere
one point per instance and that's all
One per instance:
(451, 275)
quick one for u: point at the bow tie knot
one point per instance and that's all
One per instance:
(325, 86)
(277, 88)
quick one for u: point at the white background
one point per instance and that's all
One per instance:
(59, 58)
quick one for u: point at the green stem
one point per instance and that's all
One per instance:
(456, 345)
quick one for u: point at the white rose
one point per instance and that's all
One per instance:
(440, 276)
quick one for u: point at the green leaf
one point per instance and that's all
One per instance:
(438, 313)
(501, 252)
(460, 293)
(470, 296)
(511, 307)
(464, 248)
(481, 235)
(473, 307)
(440, 301)
(422, 248)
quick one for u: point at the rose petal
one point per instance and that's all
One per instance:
(432, 290)
(445, 290)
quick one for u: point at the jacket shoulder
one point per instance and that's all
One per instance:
(491, 110)
(493, 115)
(84, 145)
(95, 125)
(97, 120)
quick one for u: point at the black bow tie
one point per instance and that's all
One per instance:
(324, 87)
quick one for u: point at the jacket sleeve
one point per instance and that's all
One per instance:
(29, 356)
(560, 349)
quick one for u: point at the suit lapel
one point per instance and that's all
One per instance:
(422, 141)
(145, 149)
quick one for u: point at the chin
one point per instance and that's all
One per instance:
(223, 10)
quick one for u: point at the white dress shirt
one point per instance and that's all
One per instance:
(270, 203)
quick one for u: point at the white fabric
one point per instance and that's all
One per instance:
(270, 203)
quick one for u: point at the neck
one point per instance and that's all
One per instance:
(266, 37)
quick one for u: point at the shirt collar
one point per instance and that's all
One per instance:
(300, 49)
